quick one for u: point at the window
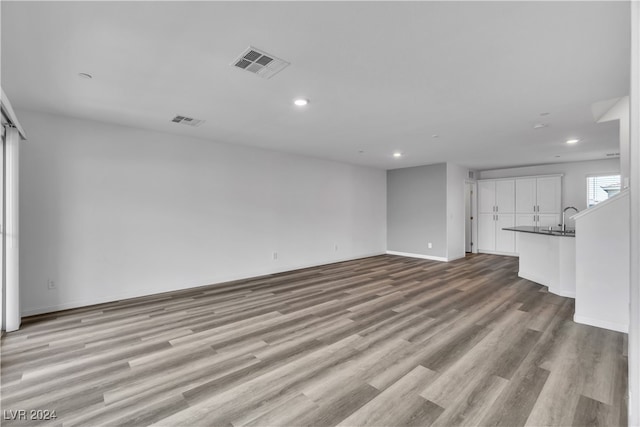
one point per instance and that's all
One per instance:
(600, 188)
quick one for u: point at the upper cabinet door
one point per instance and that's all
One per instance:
(506, 196)
(549, 195)
(486, 196)
(525, 195)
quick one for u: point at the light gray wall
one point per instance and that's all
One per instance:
(112, 212)
(574, 181)
(417, 210)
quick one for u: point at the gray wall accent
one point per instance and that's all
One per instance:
(417, 210)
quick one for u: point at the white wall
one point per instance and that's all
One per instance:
(634, 170)
(456, 176)
(620, 112)
(110, 212)
(602, 264)
(574, 181)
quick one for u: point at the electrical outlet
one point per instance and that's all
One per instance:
(430, 245)
(51, 284)
(275, 256)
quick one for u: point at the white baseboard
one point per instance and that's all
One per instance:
(612, 326)
(564, 294)
(544, 281)
(499, 253)
(412, 255)
(154, 291)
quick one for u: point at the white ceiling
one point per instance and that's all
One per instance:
(381, 76)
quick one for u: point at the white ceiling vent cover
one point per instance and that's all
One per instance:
(259, 62)
(189, 121)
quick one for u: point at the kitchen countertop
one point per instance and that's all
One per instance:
(543, 230)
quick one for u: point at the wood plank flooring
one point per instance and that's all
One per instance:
(381, 341)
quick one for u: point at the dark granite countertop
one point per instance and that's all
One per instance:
(543, 230)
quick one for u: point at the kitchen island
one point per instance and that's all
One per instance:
(548, 257)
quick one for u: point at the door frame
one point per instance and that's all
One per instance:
(474, 214)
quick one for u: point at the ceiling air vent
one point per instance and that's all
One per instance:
(612, 154)
(189, 121)
(261, 63)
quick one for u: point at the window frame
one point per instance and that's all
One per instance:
(595, 175)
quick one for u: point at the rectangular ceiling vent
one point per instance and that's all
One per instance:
(189, 121)
(259, 62)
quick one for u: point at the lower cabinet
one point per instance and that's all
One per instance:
(492, 237)
(535, 220)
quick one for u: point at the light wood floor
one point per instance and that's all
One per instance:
(382, 341)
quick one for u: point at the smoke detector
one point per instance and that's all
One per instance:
(189, 121)
(259, 62)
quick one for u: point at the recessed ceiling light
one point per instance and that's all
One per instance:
(301, 102)
(85, 75)
(397, 154)
(540, 125)
(572, 141)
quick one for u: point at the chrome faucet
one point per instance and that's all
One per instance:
(564, 225)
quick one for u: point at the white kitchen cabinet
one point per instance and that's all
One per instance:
(526, 195)
(549, 220)
(496, 196)
(531, 201)
(496, 207)
(491, 236)
(505, 196)
(505, 240)
(549, 194)
(539, 199)
(539, 195)
(486, 197)
(487, 232)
